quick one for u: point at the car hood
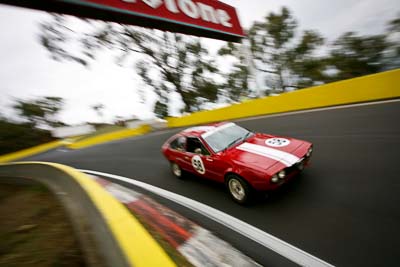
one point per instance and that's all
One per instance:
(261, 151)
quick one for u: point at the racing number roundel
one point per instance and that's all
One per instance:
(277, 142)
(198, 165)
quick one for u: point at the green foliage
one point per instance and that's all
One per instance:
(394, 25)
(98, 108)
(41, 111)
(15, 136)
(169, 62)
(54, 33)
(277, 53)
(309, 41)
(38, 113)
(174, 63)
(180, 67)
(161, 109)
(237, 82)
(288, 64)
(291, 62)
(355, 55)
(279, 27)
(229, 49)
(392, 54)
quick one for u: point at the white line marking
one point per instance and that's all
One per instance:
(275, 154)
(316, 110)
(279, 246)
(121, 193)
(205, 249)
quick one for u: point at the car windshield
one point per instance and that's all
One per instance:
(225, 136)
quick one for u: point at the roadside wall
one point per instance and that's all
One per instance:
(72, 143)
(107, 137)
(379, 86)
(67, 131)
(31, 151)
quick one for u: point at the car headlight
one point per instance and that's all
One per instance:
(282, 174)
(275, 178)
(309, 152)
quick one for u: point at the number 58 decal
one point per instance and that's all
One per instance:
(198, 165)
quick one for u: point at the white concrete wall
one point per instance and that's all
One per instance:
(68, 131)
(154, 123)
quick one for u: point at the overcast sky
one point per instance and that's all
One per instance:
(27, 71)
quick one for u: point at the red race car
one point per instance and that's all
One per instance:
(243, 160)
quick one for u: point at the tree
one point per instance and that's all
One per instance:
(41, 111)
(394, 25)
(277, 53)
(38, 114)
(286, 62)
(98, 108)
(237, 83)
(166, 62)
(392, 54)
(161, 109)
(307, 68)
(353, 55)
(16, 136)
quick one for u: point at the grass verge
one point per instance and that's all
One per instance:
(34, 230)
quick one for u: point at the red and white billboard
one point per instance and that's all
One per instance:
(208, 18)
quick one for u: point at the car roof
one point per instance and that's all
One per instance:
(199, 130)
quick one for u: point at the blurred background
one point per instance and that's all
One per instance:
(59, 71)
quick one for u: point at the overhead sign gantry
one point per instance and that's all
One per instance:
(208, 18)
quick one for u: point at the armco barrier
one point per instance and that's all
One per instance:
(31, 151)
(107, 137)
(363, 89)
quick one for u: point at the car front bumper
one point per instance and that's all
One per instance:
(292, 171)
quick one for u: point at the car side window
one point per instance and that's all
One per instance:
(194, 143)
(178, 143)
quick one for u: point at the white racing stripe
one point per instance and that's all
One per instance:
(284, 157)
(275, 244)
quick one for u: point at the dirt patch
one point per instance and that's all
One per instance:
(34, 230)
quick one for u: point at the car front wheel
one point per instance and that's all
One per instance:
(238, 189)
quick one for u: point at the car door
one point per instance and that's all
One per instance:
(201, 159)
(217, 163)
(178, 153)
(216, 166)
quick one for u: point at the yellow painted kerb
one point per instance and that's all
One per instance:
(31, 151)
(139, 247)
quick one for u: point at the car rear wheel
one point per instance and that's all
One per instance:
(176, 170)
(238, 188)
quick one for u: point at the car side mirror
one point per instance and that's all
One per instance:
(198, 151)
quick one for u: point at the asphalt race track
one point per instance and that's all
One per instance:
(343, 209)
